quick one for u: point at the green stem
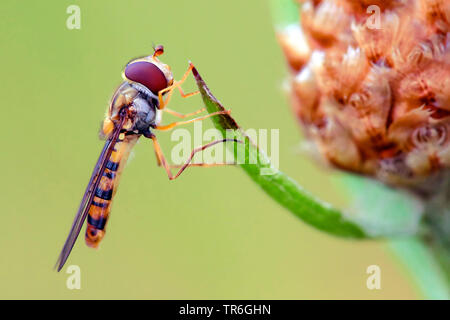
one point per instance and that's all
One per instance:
(414, 240)
(422, 266)
(437, 228)
(284, 12)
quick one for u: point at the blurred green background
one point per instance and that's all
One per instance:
(210, 234)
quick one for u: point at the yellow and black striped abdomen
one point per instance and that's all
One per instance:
(100, 206)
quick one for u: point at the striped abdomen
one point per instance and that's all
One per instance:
(100, 206)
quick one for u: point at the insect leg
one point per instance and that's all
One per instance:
(178, 123)
(200, 164)
(205, 165)
(177, 84)
(167, 167)
(182, 116)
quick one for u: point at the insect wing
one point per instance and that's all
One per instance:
(88, 196)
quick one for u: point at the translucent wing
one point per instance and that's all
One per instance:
(88, 195)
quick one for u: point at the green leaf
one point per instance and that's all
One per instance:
(276, 184)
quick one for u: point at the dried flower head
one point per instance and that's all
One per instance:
(371, 86)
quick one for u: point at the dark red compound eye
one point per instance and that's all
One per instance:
(147, 74)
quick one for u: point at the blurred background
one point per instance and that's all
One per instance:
(212, 233)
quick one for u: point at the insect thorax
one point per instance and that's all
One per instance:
(143, 103)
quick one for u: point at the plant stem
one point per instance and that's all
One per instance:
(437, 228)
(422, 266)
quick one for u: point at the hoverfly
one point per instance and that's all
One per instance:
(135, 110)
